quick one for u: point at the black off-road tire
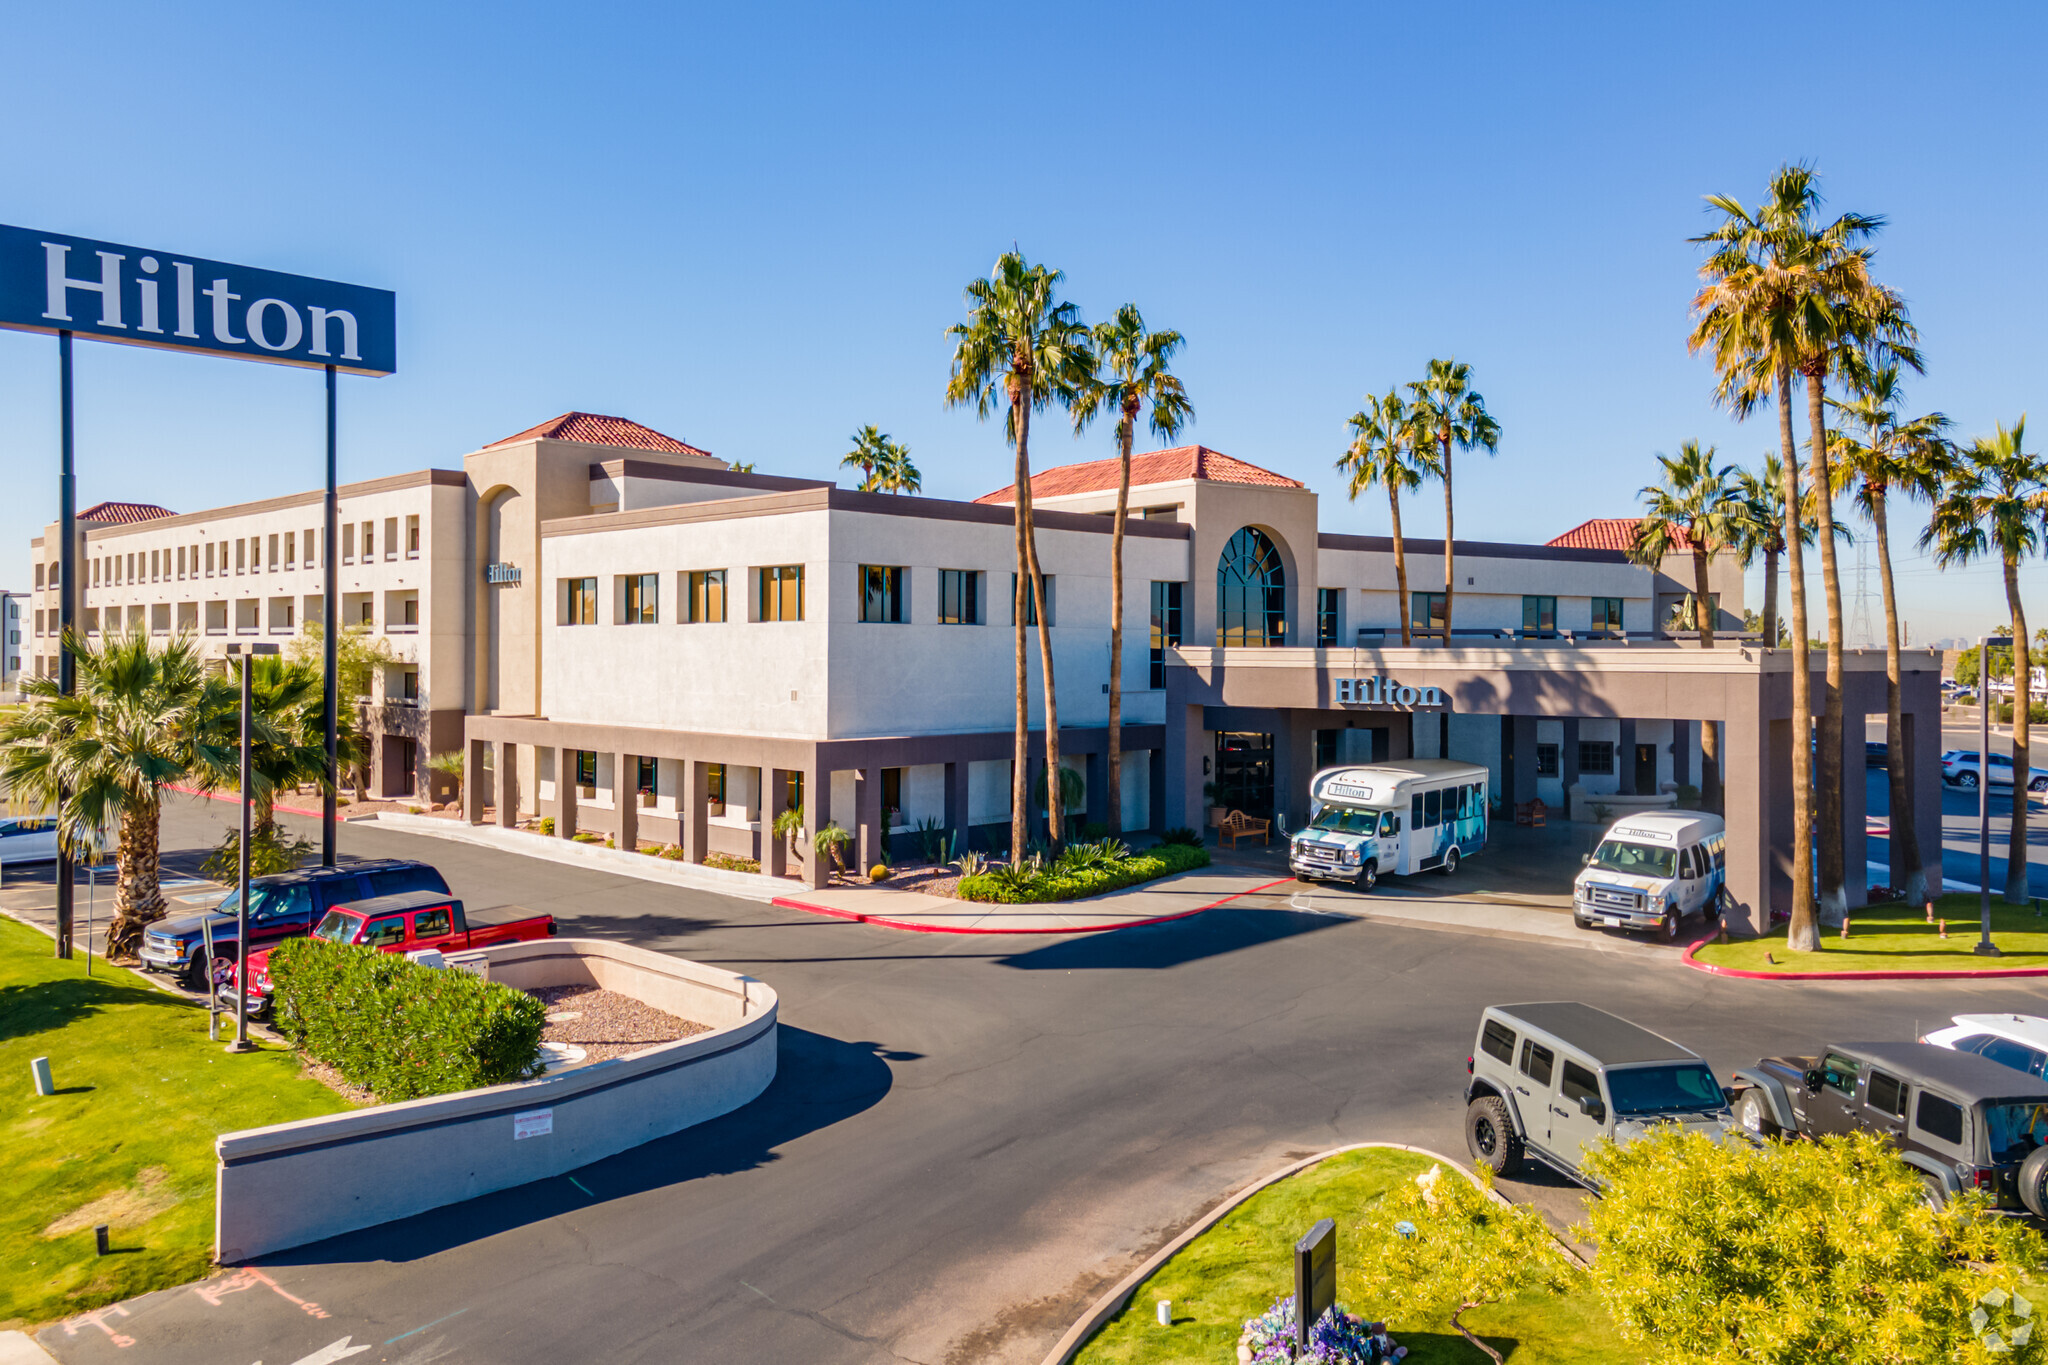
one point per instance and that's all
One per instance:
(2033, 1182)
(1490, 1135)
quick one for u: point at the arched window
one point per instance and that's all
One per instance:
(1251, 592)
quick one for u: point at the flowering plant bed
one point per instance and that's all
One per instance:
(1083, 870)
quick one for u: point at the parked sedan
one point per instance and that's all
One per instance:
(1961, 770)
(28, 839)
(2019, 1041)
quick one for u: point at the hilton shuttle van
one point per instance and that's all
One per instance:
(1391, 819)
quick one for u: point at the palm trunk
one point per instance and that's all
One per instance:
(1055, 807)
(2022, 739)
(1710, 734)
(1400, 560)
(263, 814)
(1905, 836)
(1020, 752)
(1771, 597)
(138, 894)
(1449, 553)
(1802, 933)
(1834, 895)
(1115, 764)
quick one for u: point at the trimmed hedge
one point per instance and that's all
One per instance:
(1162, 860)
(399, 1029)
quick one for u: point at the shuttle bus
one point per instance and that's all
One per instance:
(1391, 819)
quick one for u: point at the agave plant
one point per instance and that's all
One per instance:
(971, 864)
(1015, 876)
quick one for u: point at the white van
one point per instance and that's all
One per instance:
(1391, 818)
(1653, 870)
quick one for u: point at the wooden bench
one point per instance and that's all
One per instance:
(1237, 825)
(1532, 813)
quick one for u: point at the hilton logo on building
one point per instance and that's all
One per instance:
(1385, 692)
(502, 573)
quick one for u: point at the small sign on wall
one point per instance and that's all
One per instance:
(533, 1123)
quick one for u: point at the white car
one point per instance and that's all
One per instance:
(28, 839)
(2019, 1041)
(1960, 769)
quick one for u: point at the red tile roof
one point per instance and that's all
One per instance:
(124, 513)
(598, 430)
(1158, 466)
(1613, 533)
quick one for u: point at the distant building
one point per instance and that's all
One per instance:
(12, 624)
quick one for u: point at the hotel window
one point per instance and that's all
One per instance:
(291, 549)
(714, 787)
(1607, 614)
(308, 542)
(643, 777)
(586, 767)
(579, 601)
(152, 566)
(209, 559)
(1052, 602)
(1539, 614)
(881, 594)
(412, 537)
(273, 553)
(792, 791)
(369, 616)
(959, 597)
(1425, 611)
(241, 555)
(1251, 592)
(1329, 602)
(1546, 760)
(391, 537)
(642, 596)
(369, 541)
(782, 593)
(704, 596)
(1166, 600)
(1596, 756)
(410, 613)
(181, 561)
(348, 543)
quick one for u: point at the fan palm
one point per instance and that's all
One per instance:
(1448, 411)
(1993, 503)
(1760, 531)
(1910, 456)
(1134, 376)
(140, 719)
(1696, 509)
(1021, 348)
(871, 447)
(1384, 453)
(1782, 293)
(291, 748)
(895, 474)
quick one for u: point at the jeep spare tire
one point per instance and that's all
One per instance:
(1490, 1135)
(2033, 1182)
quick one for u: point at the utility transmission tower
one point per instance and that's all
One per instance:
(1862, 634)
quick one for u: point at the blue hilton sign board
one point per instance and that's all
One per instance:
(50, 282)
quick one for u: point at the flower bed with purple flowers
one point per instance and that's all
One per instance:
(1338, 1338)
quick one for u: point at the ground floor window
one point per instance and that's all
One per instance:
(1596, 756)
(959, 597)
(1426, 610)
(892, 793)
(644, 780)
(1326, 747)
(1166, 629)
(714, 787)
(586, 768)
(782, 593)
(1244, 772)
(704, 595)
(793, 791)
(1546, 760)
(881, 594)
(1607, 614)
(1539, 614)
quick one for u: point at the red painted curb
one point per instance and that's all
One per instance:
(1712, 970)
(789, 903)
(237, 797)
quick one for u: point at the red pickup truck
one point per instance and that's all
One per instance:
(407, 923)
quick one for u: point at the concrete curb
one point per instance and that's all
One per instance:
(1112, 1303)
(791, 903)
(19, 1348)
(751, 886)
(1959, 975)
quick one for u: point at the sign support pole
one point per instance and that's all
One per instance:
(330, 630)
(67, 593)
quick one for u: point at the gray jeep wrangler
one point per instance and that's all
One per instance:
(1549, 1080)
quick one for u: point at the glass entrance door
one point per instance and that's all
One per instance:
(1244, 772)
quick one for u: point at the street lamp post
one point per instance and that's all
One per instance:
(2019, 788)
(241, 1042)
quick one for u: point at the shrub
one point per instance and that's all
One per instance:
(399, 1029)
(971, 864)
(731, 862)
(269, 853)
(1180, 837)
(547, 824)
(879, 872)
(674, 853)
(654, 850)
(2037, 713)
(1094, 829)
(1028, 883)
(587, 836)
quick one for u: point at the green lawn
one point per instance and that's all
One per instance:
(1896, 937)
(1237, 1268)
(127, 1140)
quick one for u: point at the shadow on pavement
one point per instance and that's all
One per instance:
(819, 1081)
(1174, 943)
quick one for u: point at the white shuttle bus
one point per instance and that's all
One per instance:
(1391, 819)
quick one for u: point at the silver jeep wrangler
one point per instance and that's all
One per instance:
(1549, 1080)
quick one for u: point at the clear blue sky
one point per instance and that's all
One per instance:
(749, 226)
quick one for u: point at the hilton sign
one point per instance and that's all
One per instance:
(1385, 692)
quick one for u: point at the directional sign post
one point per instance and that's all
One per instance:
(140, 296)
(1315, 1279)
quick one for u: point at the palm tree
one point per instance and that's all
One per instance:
(1780, 293)
(1134, 375)
(870, 448)
(1384, 453)
(1760, 532)
(291, 748)
(1994, 502)
(895, 474)
(1021, 348)
(1911, 456)
(1448, 411)
(1695, 507)
(140, 720)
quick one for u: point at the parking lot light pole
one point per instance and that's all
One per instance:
(243, 980)
(1985, 946)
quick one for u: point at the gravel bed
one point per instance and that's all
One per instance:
(608, 1024)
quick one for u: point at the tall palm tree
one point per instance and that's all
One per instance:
(1910, 456)
(1448, 411)
(871, 450)
(1134, 375)
(1782, 293)
(1994, 502)
(1695, 506)
(1021, 348)
(1384, 453)
(896, 473)
(1760, 531)
(141, 719)
(290, 749)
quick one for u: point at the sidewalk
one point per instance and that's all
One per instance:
(1170, 898)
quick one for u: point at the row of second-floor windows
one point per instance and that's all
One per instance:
(274, 553)
(776, 593)
(1427, 611)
